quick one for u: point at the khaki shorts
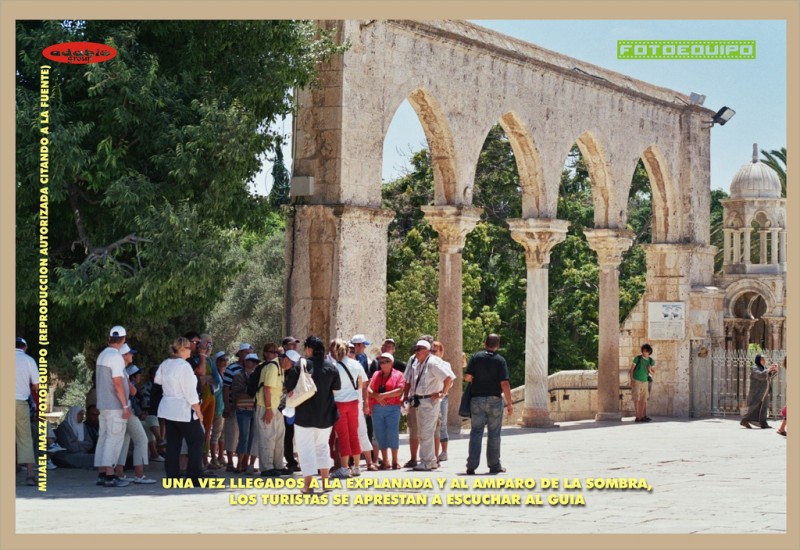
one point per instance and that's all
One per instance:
(413, 428)
(640, 390)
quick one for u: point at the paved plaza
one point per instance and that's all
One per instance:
(705, 476)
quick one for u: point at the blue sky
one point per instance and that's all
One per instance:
(755, 89)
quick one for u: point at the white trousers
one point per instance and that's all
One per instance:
(313, 452)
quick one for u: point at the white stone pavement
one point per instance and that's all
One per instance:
(707, 476)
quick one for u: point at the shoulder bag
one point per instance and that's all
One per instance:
(305, 388)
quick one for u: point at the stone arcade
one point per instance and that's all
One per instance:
(462, 79)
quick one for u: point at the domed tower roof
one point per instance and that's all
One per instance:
(755, 180)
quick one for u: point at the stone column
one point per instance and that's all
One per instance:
(727, 249)
(746, 252)
(773, 236)
(452, 223)
(609, 245)
(538, 237)
(335, 256)
(737, 246)
(782, 248)
(762, 247)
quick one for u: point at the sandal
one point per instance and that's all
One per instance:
(781, 432)
(395, 466)
(30, 481)
(372, 468)
(385, 466)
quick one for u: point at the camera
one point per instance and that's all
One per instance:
(415, 402)
(382, 389)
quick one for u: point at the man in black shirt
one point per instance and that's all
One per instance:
(487, 371)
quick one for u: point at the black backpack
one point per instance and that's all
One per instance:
(252, 382)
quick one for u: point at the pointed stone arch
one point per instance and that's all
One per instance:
(440, 143)
(596, 159)
(666, 217)
(529, 165)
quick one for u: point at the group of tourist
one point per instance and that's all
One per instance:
(199, 413)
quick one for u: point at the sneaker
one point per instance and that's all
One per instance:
(101, 480)
(271, 473)
(443, 456)
(158, 458)
(230, 468)
(116, 482)
(355, 471)
(470, 471)
(410, 464)
(285, 471)
(422, 467)
(214, 465)
(50, 465)
(340, 473)
(54, 448)
(498, 470)
(144, 480)
(30, 481)
(250, 471)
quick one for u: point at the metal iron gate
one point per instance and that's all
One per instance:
(730, 381)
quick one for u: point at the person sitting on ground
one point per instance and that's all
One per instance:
(76, 439)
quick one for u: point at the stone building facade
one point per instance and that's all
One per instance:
(462, 79)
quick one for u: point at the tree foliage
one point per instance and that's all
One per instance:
(251, 309)
(150, 157)
(776, 159)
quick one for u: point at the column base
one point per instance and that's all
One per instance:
(536, 418)
(608, 416)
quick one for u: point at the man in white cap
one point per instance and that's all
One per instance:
(429, 384)
(27, 384)
(361, 343)
(231, 429)
(134, 430)
(112, 402)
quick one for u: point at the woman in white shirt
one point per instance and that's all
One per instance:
(180, 408)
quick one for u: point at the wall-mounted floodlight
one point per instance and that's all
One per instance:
(722, 116)
(696, 99)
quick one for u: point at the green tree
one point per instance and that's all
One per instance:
(150, 157)
(251, 309)
(776, 159)
(279, 194)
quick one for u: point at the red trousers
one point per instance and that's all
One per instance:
(346, 429)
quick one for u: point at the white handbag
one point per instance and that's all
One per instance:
(304, 390)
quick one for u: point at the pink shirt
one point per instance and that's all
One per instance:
(392, 382)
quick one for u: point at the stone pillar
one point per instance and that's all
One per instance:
(538, 237)
(774, 242)
(746, 252)
(336, 255)
(762, 248)
(737, 246)
(609, 244)
(452, 223)
(726, 247)
(782, 248)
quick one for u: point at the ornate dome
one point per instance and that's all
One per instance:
(755, 180)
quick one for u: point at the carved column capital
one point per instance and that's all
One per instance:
(453, 224)
(538, 237)
(609, 244)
